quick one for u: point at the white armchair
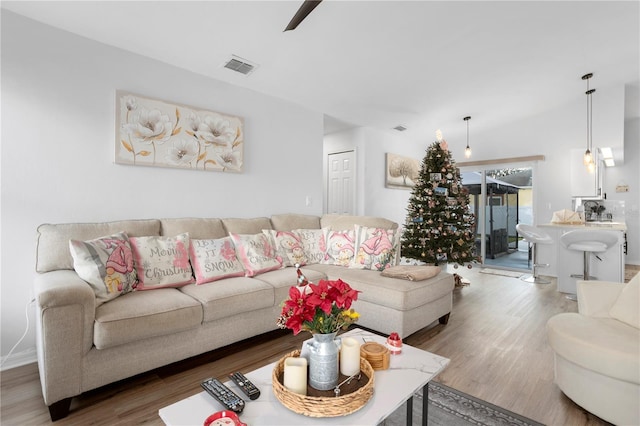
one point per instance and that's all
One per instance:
(597, 351)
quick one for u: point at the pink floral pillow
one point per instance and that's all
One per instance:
(375, 248)
(314, 244)
(256, 253)
(288, 246)
(105, 263)
(340, 247)
(162, 261)
(214, 260)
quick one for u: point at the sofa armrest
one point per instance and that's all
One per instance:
(595, 298)
(65, 313)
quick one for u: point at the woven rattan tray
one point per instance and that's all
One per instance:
(330, 406)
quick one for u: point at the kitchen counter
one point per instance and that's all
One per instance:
(608, 265)
(611, 226)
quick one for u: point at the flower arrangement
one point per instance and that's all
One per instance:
(319, 308)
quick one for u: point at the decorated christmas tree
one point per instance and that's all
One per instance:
(440, 227)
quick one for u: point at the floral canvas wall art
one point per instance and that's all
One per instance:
(151, 132)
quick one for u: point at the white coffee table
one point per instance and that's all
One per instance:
(408, 372)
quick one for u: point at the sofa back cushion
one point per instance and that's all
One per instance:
(162, 261)
(341, 222)
(52, 252)
(250, 226)
(626, 308)
(214, 259)
(106, 264)
(290, 222)
(197, 228)
(256, 253)
(374, 248)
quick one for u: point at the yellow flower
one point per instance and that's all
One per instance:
(351, 314)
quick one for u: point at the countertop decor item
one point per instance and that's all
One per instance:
(318, 308)
(394, 344)
(352, 397)
(321, 309)
(376, 354)
(323, 361)
(223, 418)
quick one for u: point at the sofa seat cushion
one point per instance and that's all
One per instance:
(394, 293)
(282, 279)
(228, 297)
(603, 345)
(143, 314)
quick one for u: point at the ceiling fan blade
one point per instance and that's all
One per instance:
(302, 13)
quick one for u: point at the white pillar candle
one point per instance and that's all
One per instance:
(295, 375)
(350, 356)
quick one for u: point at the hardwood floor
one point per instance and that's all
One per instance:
(496, 340)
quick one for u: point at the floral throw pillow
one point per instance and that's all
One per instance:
(162, 261)
(256, 253)
(214, 260)
(314, 244)
(288, 246)
(375, 248)
(340, 247)
(105, 263)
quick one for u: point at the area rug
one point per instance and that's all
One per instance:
(512, 274)
(449, 407)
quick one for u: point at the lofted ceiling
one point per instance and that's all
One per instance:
(420, 64)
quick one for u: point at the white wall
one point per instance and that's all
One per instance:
(58, 135)
(629, 174)
(553, 134)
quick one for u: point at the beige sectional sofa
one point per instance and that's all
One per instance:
(83, 345)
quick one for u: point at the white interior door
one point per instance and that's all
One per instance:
(341, 183)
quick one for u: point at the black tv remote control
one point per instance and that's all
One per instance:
(223, 395)
(245, 385)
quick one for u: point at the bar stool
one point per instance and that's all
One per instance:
(534, 236)
(588, 242)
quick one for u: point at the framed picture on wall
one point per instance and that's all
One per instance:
(151, 132)
(401, 172)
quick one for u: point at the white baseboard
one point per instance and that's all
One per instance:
(18, 359)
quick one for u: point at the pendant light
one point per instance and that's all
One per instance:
(589, 157)
(467, 150)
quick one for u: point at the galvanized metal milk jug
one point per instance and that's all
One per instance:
(323, 361)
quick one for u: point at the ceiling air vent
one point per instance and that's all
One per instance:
(400, 128)
(240, 65)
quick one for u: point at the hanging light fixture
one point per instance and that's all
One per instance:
(589, 154)
(467, 150)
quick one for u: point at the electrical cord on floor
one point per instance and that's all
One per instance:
(26, 313)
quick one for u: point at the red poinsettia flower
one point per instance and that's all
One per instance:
(321, 308)
(321, 296)
(345, 294)
(297, 301)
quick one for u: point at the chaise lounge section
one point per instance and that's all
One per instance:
(83, 344)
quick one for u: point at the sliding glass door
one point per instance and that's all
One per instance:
(501, 198)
